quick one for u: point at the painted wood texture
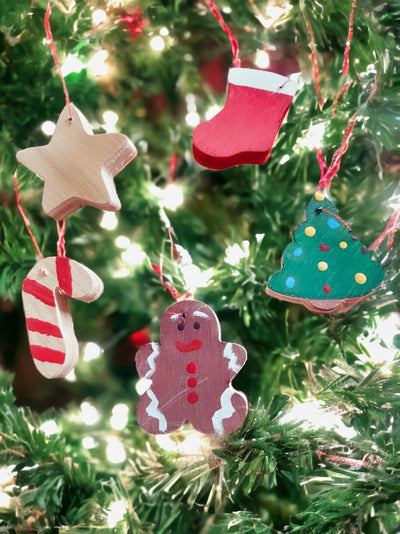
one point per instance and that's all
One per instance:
(45, 293)
(325, 268)
(191, 371)
(78, 167)
(244, 131)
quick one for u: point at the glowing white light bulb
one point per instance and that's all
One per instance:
(5, 500)
(164, 32)
(49, 427)
(157, 43)
(261, 59)
(115, 450)
(109, 221)
(235, 253)
(313, 138)
(119, 418)
(6, 474)
(122, 241)
(71, 377)
(122, 272)
(193, 444)
(212, 111)
(98, 16)
(284, 159)
(192, 119)
(110, 120)
(259, 238)
(89, 414)
(97, 65)
(274, 12)
(191, 103)
(89, 443)
(134, 255)
(194, 277)
(312, 414)
(48, 127)
(116, 513)
(173, 197)
(91, 351)
(72, 64)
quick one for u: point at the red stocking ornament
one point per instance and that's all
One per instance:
(244, 131)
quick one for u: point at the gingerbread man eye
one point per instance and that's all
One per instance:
(196, 325)
(181, 326)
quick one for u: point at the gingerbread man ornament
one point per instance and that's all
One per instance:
(191, 371)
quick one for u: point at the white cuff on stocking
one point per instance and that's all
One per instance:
(261, 79)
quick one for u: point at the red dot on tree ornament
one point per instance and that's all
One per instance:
(192, 382)
(326, 289)
(363, 250)
(323, 248)
(192, 398)
(191, 367)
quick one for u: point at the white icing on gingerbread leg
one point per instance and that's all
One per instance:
(153, 411)
(226, 411)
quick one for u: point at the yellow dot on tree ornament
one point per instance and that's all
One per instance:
(360, 278)
(322, 265)
(319, 197)
(343, 244)
(310, 231)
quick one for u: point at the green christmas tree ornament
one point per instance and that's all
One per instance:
(325, 268)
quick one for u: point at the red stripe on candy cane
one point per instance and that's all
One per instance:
(64, 276)
(44, 354)
(39, 291)
(43, 327)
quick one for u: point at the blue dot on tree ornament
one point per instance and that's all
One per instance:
(298, 252)
(290, 282)
(333, 223)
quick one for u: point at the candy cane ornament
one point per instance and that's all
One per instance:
(45, 293)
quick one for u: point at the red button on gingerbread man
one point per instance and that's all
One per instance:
(191, 371)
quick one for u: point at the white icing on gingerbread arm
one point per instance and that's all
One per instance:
(226, 411)
(236, 356)
(153, 411)
(143, 355)
(231, 356)
(151, 359)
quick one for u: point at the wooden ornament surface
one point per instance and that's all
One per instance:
(244, 131)
(325, 268)
(191, 371)
(78, 167)
(45, 293)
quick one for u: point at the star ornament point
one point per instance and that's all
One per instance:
(78, 167)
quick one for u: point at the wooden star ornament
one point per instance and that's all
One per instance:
(78, 167)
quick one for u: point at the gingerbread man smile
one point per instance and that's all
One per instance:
(195, 344)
